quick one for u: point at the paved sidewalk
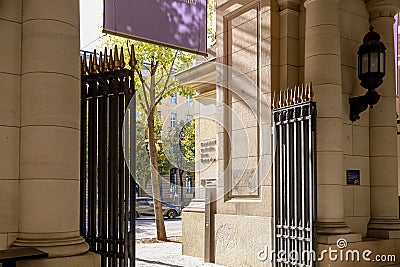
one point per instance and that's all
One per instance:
(166, 254)
(146, 227)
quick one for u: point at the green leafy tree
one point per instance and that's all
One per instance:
(179, 145)
(153, 68)
(187, 137)
(143, 175)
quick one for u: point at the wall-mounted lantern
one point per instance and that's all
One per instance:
(371, 70)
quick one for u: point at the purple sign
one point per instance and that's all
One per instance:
(180, 24)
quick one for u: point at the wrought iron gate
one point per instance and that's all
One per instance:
(294, 176)
(107, 188)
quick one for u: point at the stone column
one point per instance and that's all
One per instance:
(50, 133)
(289, 43)
(10, 63)
(384, 222)
(323, 69)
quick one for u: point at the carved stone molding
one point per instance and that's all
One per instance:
(383, 8)
(289, 4)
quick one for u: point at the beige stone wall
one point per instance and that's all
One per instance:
(239, 42)
(10, 65)
(247, 36)
(241, 238)
(206, 165)
(354, 24)
(193, 218)
(193, 232)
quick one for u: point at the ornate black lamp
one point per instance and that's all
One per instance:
(371, 70)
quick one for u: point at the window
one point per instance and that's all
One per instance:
(173, 98)
(172, 119)
(188, 101)
(189, 117)
(189, 186)
(159, 114)
(172, 180)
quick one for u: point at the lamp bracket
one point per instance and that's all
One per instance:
(360, 103)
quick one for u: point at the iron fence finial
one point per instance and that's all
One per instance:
(101, 63)
(287, 97)
(91, 70)
(105, 66)
(95, 65)
(122, 59)
(132, 57)
(111, 62)
(273, 100)
(116, 58)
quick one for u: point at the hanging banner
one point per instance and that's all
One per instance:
(179, 24)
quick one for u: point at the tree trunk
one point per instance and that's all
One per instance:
(181, 183)
(161, 234)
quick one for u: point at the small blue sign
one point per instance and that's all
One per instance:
(353, 177)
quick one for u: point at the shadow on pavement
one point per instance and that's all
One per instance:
(158, 262)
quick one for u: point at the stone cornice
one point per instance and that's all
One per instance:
(307, 2)
(289, 4)
(382, 8)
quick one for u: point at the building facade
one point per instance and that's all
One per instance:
(277, 45)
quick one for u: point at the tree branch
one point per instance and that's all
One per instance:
(160, 95)
(139, 73)
(141, 103)
(159, 80)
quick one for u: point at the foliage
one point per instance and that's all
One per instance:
(154, 61)
(187, 141)
(179, 144)
(160, 63)
(153, 68)
(211, 21)
(142, 151)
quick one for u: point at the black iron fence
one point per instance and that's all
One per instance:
(294, 115)
(107, 188)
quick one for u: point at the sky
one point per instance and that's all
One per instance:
(91, 17)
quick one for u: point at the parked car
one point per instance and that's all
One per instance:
(145, 207)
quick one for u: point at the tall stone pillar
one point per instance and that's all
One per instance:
(384, 222)
(289, 43)
(10, 63)
(323, 69)
(50, 133)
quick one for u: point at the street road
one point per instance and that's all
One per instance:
(146, 227)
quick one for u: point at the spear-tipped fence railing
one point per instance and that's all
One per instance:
(107, 189)
(294, 114)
